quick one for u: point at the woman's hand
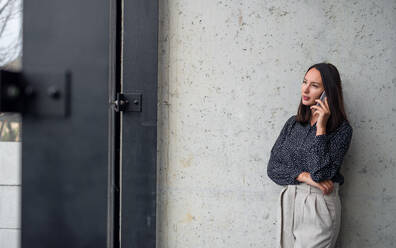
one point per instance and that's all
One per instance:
(323, 110)
(325, 186)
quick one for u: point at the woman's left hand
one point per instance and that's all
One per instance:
(323, 110)
(326, 186)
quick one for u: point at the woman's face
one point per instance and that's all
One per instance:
(312, 87)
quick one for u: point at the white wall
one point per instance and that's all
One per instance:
(10, 187)
(230, 75)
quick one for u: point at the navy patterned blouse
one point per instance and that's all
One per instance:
(298, 149)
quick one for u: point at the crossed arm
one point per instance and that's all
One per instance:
(323, 160)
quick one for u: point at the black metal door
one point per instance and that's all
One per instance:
(89, 159)
(65, 144)
(139, 129)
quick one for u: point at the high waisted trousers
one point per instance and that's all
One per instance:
(307, 218)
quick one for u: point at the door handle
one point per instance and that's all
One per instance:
(36, 94)
(11, 92)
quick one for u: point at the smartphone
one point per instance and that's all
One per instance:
(322, 97)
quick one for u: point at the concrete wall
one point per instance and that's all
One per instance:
(10, 187)
(230, 76)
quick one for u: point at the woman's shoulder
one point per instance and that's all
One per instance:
(291, 119)
(290, 122)
(344, 127)
(345, 124)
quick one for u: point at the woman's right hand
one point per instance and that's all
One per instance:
(325, 186)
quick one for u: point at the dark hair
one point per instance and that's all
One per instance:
(332, 86)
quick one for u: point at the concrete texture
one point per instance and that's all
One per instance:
(229, 77)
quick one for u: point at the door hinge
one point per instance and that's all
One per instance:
(128, 102)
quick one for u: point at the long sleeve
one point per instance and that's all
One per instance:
(327, 153)
(277, 170)
(281, 173)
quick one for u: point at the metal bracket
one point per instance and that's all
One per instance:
(128, 102)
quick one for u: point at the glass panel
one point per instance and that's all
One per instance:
(10, 33)
(10, 127)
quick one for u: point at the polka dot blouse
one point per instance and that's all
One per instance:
(298, 149)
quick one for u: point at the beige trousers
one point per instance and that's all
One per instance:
(307, 218)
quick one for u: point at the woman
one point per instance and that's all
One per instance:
(306, 159)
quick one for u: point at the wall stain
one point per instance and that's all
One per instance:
(363, 170)
(240, 18)
(186, 162)
(189, 218)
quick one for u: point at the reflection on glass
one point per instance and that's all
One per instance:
(10, 32)
(10, 127)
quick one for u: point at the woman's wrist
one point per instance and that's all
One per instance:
(302, 177)
(320, 131)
